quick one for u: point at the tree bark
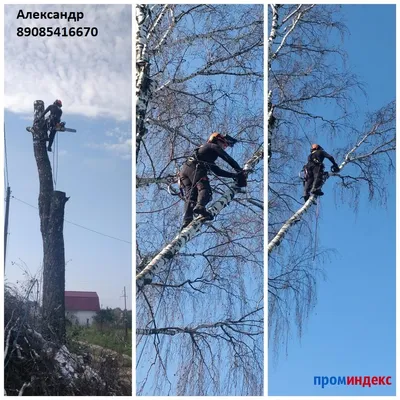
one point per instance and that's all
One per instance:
(143, 90)
(51, 213)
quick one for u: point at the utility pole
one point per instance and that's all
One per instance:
(6, 224)
(125, 317)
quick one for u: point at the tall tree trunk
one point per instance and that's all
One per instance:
(143, 91)
(51, 213)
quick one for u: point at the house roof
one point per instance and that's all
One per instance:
(81, 301)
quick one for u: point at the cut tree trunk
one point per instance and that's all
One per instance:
(51, 213)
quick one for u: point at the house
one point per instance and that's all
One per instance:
(81, 307)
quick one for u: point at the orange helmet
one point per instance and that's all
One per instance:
(315, 146)
(216, 136)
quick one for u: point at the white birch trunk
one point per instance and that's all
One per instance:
(272, 34)
(143, 89)
(169, 251)
(351, 156)
(276, 241)
(140, 182)
(296, 217)
(270, 119)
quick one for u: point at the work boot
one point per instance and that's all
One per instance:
(49, 149)
(186, 223)
(317, 192)
(199, 209)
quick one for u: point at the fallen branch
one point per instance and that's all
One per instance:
(24, 386)
(36, 366)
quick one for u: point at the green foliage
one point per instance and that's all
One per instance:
(105, 316)
(107, 337)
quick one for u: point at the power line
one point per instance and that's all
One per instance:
(78, 225)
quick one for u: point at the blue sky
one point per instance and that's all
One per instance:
(240, 112)
(92, 76)
(351, 331)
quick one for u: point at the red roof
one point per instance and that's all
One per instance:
(81, 301)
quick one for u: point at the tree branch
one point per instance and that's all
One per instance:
(188, 233)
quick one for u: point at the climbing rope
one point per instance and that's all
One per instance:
(55, 163)
(316, 228)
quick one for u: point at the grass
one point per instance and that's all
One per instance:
(108, 337)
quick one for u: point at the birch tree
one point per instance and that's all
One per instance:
(200, 316)
(143, 91)
(310, 99)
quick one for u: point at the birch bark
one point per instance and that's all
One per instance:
(143, 89)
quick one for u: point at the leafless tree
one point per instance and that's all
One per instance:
(51, 213)
(310, 92)
(200, 320)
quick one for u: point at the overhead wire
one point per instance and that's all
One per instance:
(74, 223)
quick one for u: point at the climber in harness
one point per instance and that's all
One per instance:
(314, 171)
(193, 175)
(53, 121)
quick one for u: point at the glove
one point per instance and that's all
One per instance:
(241, 179)
(335, 168)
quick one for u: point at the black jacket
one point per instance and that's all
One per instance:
(317, 157)
(55, 112)
(208, 153)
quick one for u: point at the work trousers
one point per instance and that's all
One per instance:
(51, 126)
(313, 179)
(196, 186)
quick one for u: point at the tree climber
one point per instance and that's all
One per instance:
(53, 121)
(314, 170)
(193, 175)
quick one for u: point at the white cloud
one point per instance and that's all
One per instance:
(91, 75)
(120, 143)
(123, 149)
